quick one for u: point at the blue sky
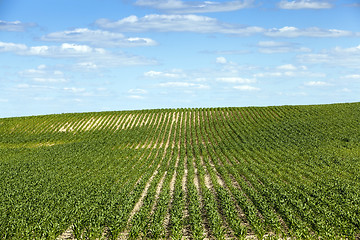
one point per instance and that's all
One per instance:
(60, 56)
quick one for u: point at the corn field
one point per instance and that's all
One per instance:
(287, 172)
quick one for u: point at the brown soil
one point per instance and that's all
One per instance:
(143, 195)
(157, 193)
(67, 235)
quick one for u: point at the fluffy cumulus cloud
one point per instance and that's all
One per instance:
(98, 38)
(94, 57)
(178, 6)
(304, 4)
(176, 23)
(15, 26)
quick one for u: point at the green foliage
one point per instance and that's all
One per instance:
(272, 172)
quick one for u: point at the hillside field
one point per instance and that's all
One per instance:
(216, 173)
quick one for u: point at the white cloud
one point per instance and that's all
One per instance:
(229, 72)
(86, 66)
(42, 91)
(153, 74)
(339, 57)
(287, 67)
(221, 60)
(270, 47)
(15, 26)
(352, 76)
(12, 47)
(317, 84)
(117, 59)
(38, 50)
(173, 74)
(289, 74)
(183, 85)
(176, 23)
(272, 44)
(204, 24)
(226, 52)
(293, 94)
(350, 50)
(3, 100)
(98, 57)
(292, 32)
(200, 79)
(65, 50)
(246, 88)
(178, 6)
(235, 80)
(43, 98)
(43, 75)
(315, 58)
(98, 38)
(50, 80)
(136, 97)
(79, 48)
(42, 66)
(32, 72)
(74, 89)
(289, 71)
(291, 67)
(346, 90)
(22, 85)
(137, 91)
(268, 74)
(304, 4)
